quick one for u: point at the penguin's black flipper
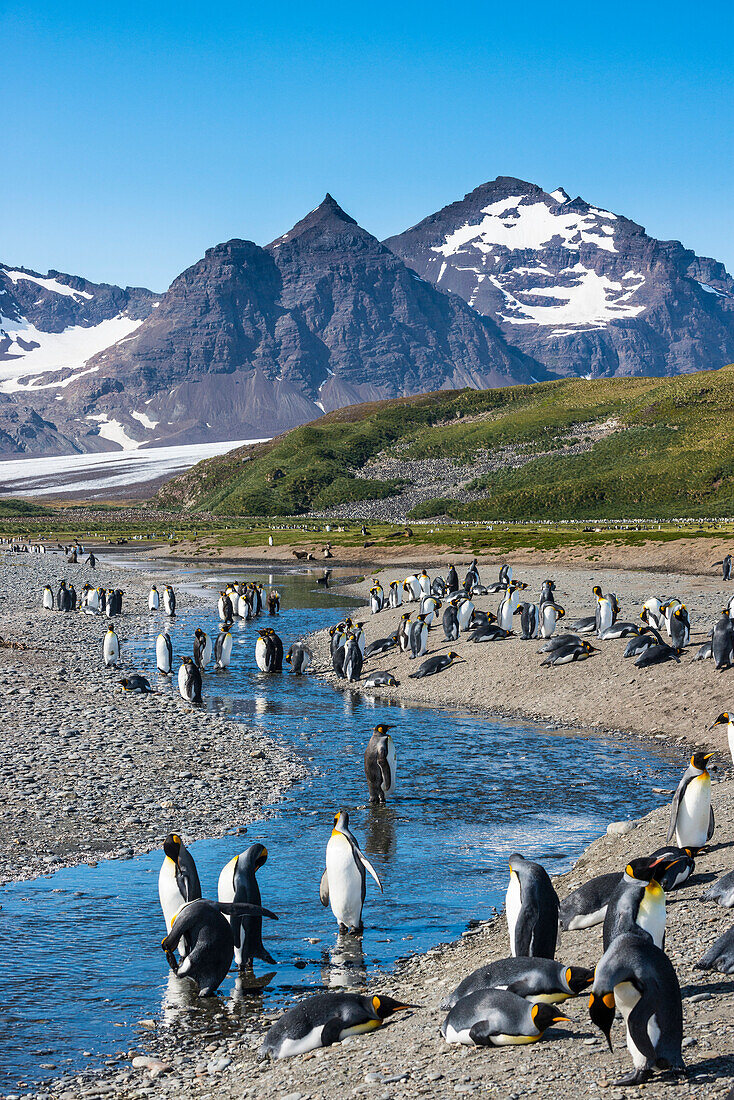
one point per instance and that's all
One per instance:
(526, 921)
(331, 1031)
(712, 823)
(676, 806)
(481, 1033)
(244, 908)
(265, 955)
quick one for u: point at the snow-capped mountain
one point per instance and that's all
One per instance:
(250, 341)
(50, 327)
(583, 290)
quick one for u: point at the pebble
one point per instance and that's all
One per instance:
(620, 828)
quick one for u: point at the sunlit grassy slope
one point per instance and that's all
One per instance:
(673, 457)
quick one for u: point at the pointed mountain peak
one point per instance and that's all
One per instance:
(560, 195)
(328, 215)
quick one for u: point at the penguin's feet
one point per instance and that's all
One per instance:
(636, 1078)
(343, 928)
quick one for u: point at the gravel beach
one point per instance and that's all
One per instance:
(673, 703)
(70, 753)
(88, 771)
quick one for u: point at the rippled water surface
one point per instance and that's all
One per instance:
(81, 961)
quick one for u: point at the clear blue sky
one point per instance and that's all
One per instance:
(135, 135)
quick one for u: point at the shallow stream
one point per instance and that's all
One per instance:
(84, 942)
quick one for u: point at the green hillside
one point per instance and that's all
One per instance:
(669, 452)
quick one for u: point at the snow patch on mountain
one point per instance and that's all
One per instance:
(516, 223)
(591, 301)
(52, 285)
(26, 351)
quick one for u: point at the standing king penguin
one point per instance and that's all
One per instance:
(237, 883)
(164, 652)
(111, 648)
(189, 680)
(532, 910)
(343, 883)
(691, 814)
(379, 764)
(178, 880)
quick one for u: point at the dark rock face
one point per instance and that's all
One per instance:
(251, 341)
(581, 289)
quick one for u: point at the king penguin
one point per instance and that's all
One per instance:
(237, 883)
(202, 648)
(223, 647)
(532, 909)
(154, 599)
(343, 883)
(325, 1019)
(691, 814)
(498, 1018)
(164, 652)
(189, 680)
(638, 901)
(48, 598)
(725, 719)
(636, 977)
(379, 764)
(111, 648)
(178, 879)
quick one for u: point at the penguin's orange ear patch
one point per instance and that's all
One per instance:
(534, 1012)
(375, 1002)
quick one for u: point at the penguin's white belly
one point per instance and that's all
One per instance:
(565, 660)
(291, 1047)
(512, 1040)
(730, 737)
(464, 614)
(345, 882)
(626, 997)
(153, 601)
(549, 623)
(513, 904)
(169, 894)
(391, 766)
(451, 1035)
(226, 652)
(605, 615)
(587, 920)
(48, 601)
(206, 653)
(111, 651)
(161, 656)
(651, 916)
(243, 608)
(692, 823)
(182, 684)
(260, 652)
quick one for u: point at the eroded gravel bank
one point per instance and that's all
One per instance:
(90, 771)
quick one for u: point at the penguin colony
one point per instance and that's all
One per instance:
(510, 1001)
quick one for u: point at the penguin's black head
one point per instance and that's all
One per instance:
(386, 1006)
(382, 728)
(597, 590)
(344, 818)
(454, 656)
(601, 1010)
(722, 720)
(700, 759)
(647, 868)
(172, 846)
(545, 1015)
(560, 611)
(257, 855)
(578, 978)
(124, 682)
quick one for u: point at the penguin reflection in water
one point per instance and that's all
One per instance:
(344, 882)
